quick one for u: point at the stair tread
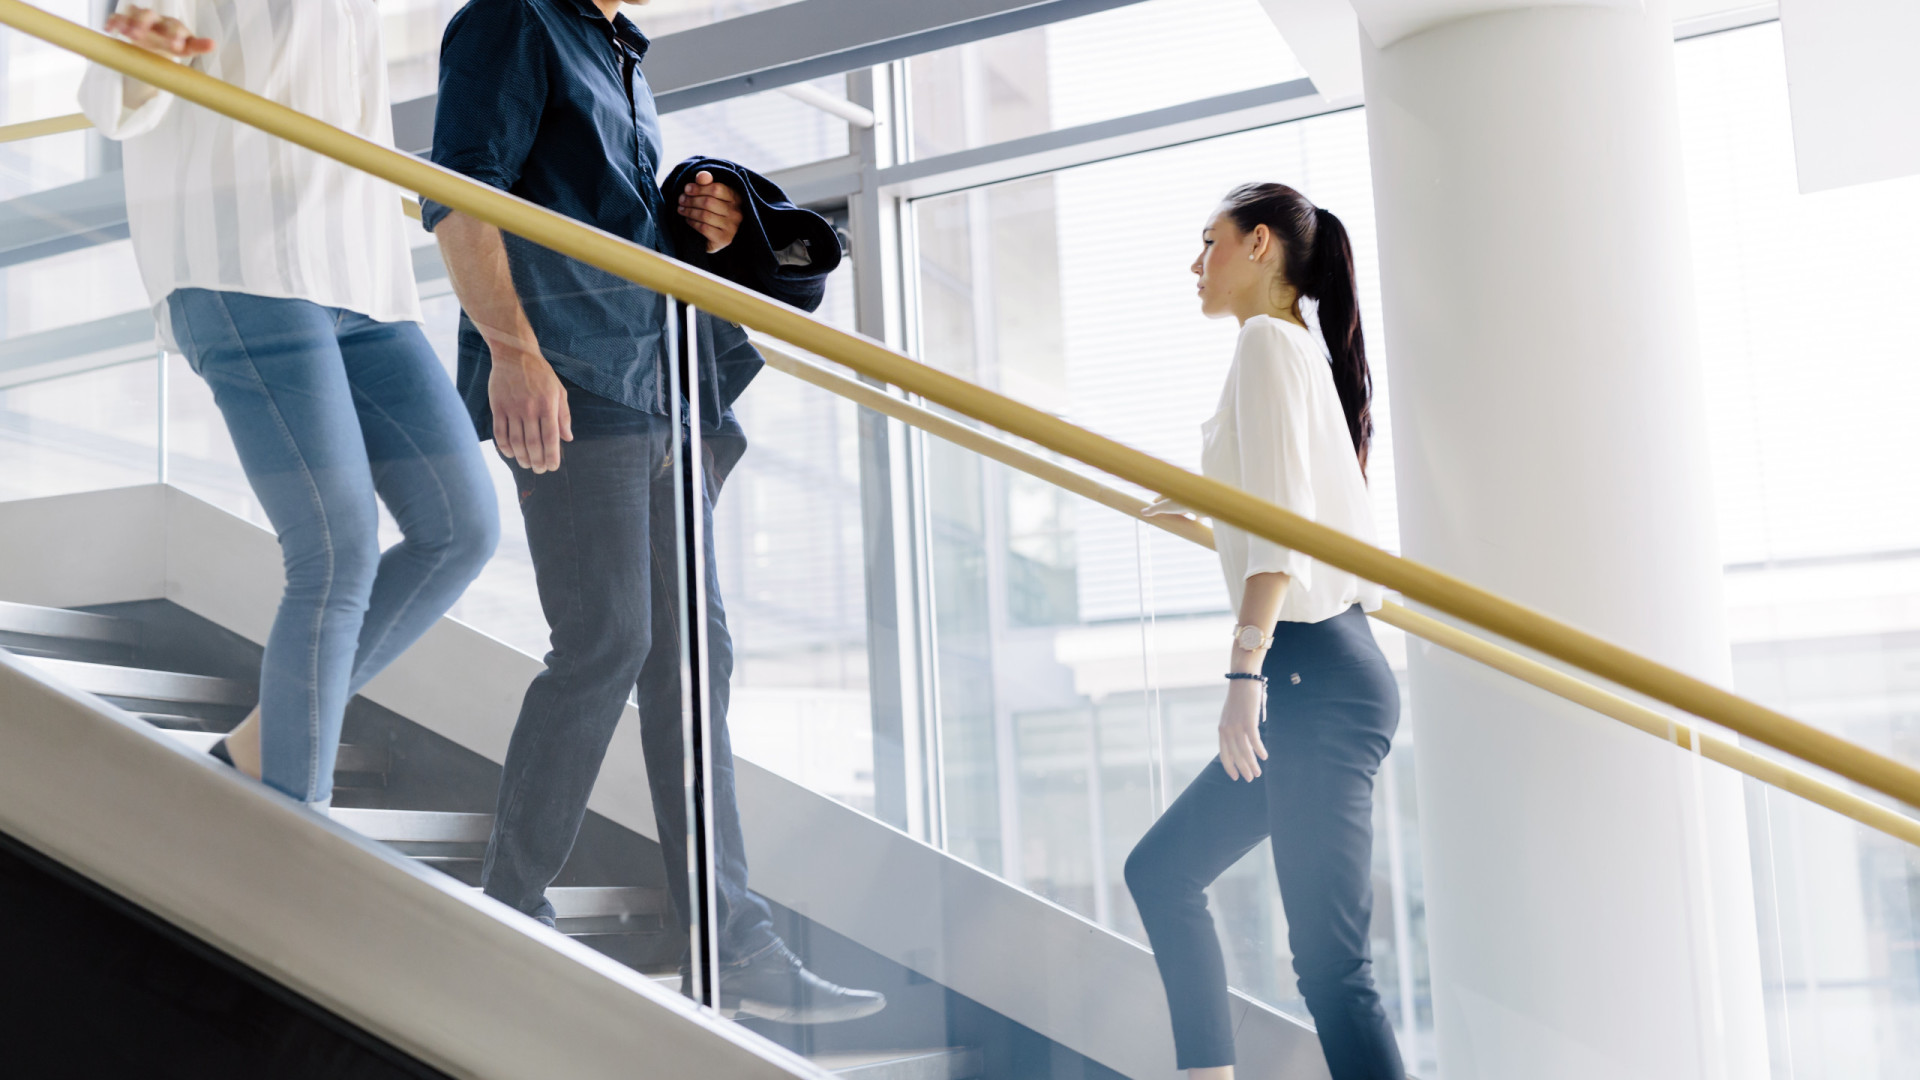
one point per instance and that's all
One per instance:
(606, 901)
(351, 758)
(49, 622)
(417, 826)
(145, 684)
(944, 1063)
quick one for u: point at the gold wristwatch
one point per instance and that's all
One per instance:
(1251, 638)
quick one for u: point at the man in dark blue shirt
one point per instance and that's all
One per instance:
(560, 364)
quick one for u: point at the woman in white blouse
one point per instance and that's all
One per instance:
(1311, 704)
(284, 279)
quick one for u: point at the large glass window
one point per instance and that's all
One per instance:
(1115, 63)
(1811, 342)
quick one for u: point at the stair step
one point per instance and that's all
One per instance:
(171, 722)
(351, 759)
(607, 901)
(951, 1063)
(59, 623)
(598, 910)
(145, 684)
(416, 826)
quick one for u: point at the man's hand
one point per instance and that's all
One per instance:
(530, 417)
(713, 209)
(163, 34)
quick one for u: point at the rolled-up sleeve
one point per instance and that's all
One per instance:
(102, 95)
(493, 89)
(1271, 415)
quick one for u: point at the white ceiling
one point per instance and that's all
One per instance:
(1323, 34)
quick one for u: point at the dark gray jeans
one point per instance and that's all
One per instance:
(601, 532)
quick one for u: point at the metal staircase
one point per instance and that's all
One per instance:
(110, 656)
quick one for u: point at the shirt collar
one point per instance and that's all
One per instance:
(623, 27)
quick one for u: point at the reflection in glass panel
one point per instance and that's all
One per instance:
(40, 82)
(765, 132)
(74, 287)
(1130, 59)
(787, 533)
(83, 432)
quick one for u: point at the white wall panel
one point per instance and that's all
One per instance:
(1855, 89)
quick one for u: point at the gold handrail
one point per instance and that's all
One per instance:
(51, 125)
(1222, 502)
(1553, 680)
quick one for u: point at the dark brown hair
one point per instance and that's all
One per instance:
(1318, 263)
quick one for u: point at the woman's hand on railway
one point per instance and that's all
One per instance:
(1241, 750)
(1168, 507)
(159, 33)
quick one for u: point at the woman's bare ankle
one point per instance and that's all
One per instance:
(243, 745)
(1218, 1072)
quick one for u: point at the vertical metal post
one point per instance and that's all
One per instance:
(1150, 672)
(892, 667)
(1402, 903)
(160, 438)
(683, 366)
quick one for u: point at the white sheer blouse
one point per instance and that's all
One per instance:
(1281, 435)
(215, 204)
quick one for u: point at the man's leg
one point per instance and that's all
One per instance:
(760, 976)
(746, 923)
(587, 528)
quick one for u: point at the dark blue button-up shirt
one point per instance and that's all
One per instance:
(545, 99)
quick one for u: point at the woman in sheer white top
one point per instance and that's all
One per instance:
(1311, 704)
(283, 277)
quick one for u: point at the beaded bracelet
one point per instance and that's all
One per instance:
(1255, 676)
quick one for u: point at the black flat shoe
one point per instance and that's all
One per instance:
(219, 753)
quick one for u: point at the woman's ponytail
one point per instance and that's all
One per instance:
(1319, 265)
(1330, 282)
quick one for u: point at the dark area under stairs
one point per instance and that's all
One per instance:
(432, 800)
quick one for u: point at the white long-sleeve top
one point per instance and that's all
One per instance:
(215, 204)
(1281, 435)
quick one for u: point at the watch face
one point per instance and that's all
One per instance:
(1249, 638)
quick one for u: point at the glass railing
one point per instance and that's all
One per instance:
(1041, 683)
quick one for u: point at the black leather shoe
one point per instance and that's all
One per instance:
(776, 986)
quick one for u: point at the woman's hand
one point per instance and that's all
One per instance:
(1168, 507)
(1241, 750)
(159, 33)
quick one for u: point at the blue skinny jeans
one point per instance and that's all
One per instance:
(330, 410)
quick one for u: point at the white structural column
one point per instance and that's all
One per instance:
(1589, 898)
